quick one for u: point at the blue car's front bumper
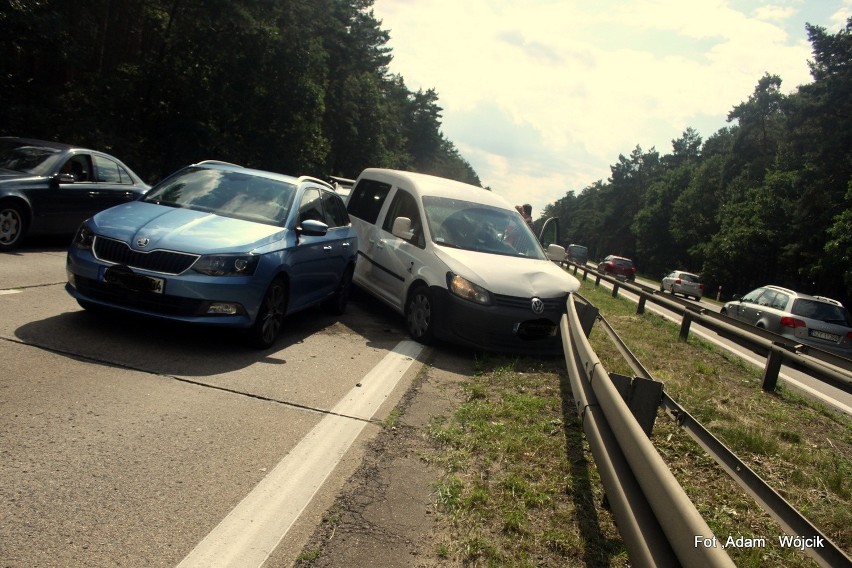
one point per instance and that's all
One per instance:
(188, 297)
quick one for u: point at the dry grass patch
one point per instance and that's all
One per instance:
(520, 488)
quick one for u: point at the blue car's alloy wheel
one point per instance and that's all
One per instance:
(270, 317)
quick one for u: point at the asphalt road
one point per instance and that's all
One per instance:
(129, 442)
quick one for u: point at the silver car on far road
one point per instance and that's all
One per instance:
(680, 282)
(811, 320)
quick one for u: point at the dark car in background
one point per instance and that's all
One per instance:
(618, 266)
(577, 254)
(219, 245)
(49, 188)
(812, 320)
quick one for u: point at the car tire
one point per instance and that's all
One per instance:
(270, 317)
(336, 304)
(13, 225)
(419, 315)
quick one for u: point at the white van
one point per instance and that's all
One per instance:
(458, 261)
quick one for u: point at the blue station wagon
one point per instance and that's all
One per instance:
(222, 245)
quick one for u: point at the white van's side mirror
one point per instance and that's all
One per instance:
(556, 253)
(402, 228)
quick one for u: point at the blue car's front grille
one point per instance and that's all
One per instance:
(163, 261)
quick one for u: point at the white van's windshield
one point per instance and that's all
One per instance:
(482, 228)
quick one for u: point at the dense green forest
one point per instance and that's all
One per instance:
(295, 86)
(766, 200)
(303, 87)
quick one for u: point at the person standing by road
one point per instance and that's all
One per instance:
(526, 213)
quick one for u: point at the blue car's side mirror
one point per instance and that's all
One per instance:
(312, 228)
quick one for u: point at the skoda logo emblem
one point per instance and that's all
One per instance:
(537, 305)
(142, 242)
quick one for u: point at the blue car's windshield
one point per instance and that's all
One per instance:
(473, 226)
(230, 194)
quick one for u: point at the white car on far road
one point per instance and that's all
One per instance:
(685, 283)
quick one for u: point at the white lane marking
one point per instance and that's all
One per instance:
(4, 292)
(254, 528)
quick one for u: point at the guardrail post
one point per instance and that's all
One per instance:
(773, 367)
(640, 307)
(615, 290)
(598, 280)
(684, 326)
(588, 317)
(642, 396)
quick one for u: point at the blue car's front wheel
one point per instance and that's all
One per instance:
(270, 316)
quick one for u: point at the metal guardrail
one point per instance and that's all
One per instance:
(822, 365)
(658, 522)
(656, 519)
(791, 520)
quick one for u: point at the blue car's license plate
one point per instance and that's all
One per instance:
(124, 277)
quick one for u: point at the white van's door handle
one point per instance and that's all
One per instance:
(380, 244)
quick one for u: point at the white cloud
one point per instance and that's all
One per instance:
(839, 18)
(542, 96)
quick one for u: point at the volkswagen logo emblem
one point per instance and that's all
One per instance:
(142, 242)
(537, 306)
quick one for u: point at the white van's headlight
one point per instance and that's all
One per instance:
(466, 289)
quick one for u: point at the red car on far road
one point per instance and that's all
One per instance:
(618, 266)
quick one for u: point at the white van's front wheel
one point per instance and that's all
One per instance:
(418, 315)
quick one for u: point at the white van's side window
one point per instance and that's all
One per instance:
(367, 199)
(404, 205)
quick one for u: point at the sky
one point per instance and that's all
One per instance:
(542, 96)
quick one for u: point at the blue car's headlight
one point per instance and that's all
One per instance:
(226, 264)
(84, 237)
(464, 288)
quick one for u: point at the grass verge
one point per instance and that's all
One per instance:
(520, 487)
